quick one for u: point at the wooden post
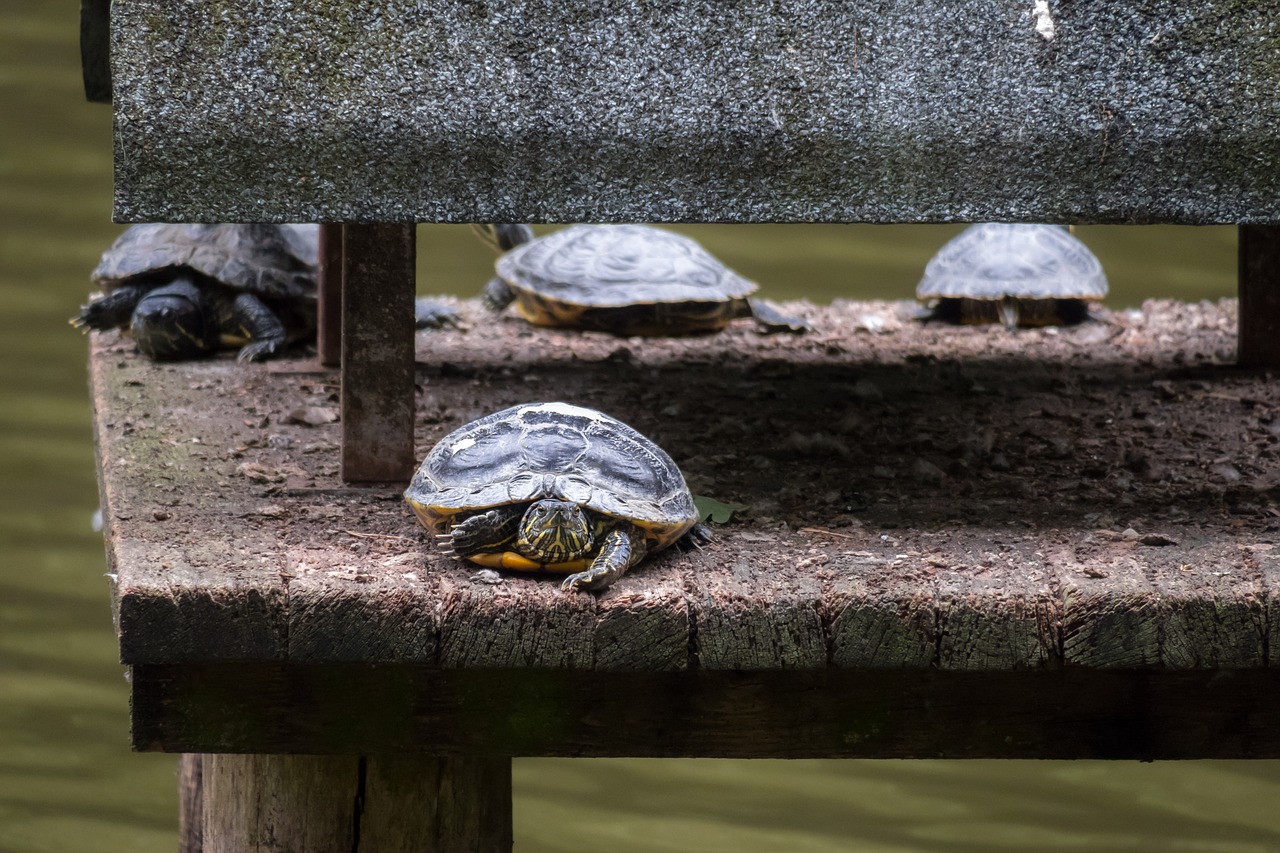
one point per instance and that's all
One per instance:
(190, 803)
(1259, 287)
(348, 804)
(377, 352)
(329, 296)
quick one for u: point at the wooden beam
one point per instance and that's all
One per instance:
(1069, 712)
(341, 804)
(1259, 285)
(377, 352)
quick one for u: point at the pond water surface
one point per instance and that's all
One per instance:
(67, 779)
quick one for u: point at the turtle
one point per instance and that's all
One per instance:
(186, 290)
(1020, 275)
(553, 487)
(624, 279)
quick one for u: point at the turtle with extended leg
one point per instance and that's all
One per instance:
(1019, 275)
(625, 279)
(551, 487)
(183, 291)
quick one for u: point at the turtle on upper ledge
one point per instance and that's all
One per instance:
(624, 279)
(183, 291)
(1019, 275)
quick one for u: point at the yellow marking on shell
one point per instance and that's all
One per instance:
(520, 563)
(430, 517)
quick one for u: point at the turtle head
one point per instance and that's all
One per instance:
(555, 532)
(172, 322)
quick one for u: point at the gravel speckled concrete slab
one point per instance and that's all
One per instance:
(756, 110)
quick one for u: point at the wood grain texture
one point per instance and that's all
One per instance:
(748, 618)
(1111, 620)
(1070, 712)
(231, 536)
(1213, 609)
(191, 803)
(279, 803)
(422, 804)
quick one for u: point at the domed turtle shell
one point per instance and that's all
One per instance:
(273, 261)
(609, 266)
(559, 451)
(993, 261)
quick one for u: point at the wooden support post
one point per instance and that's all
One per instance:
(377, 352)
(341, 804)
(329, 296)
(1259, 287)
(191, 803)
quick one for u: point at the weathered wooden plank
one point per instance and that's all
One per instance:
(362, 617)
(1111, 612)
(203, 603)
(758, 613)
(1213, 601)
(521, 621)
(880, 613)
(232, 537)
(984, 625)
(644, 623)
(1265, 559)
(1259, 284)
(1071, 712)
(177, 592)
(698, 110)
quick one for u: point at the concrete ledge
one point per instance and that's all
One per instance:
(804, 110)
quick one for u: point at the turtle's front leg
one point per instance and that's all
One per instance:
(111, 311)
(485, 533)
(620, 549)
(769, 318)
(260, 325)
(429, 314)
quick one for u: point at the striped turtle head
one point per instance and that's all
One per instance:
(555, 532)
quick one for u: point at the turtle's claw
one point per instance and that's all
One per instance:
(258, 350)
(429, 314)
(588, 581)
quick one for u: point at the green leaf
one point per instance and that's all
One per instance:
(710, 509)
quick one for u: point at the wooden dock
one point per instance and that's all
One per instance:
(952, 542)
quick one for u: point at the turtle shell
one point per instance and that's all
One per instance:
(274, 261)
(559, 451)
(992, 261)
(611, 266)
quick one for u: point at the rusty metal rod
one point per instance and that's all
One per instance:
(329, 296)
(377, 352)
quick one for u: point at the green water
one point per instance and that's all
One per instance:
(67, 779)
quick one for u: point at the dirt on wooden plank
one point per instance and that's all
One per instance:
(876, 457)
